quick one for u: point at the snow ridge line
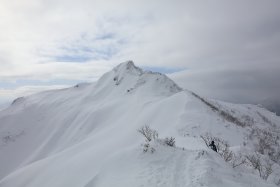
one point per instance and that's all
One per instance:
(225, 115)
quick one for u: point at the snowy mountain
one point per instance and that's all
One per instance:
(87, 136)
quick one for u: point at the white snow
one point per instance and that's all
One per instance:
(86, 136)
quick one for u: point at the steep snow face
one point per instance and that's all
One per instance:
(126, 78)
(87, 135)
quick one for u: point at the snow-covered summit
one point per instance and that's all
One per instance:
(128, 67)
(127, 78)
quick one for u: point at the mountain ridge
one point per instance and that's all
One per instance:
(87, 135)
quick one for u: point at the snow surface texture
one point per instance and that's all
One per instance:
(86, 136)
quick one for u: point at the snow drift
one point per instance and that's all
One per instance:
(87, 136)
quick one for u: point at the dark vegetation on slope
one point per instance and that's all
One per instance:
(225, 115)
(266, 147)
(257, 160)
(267, 138)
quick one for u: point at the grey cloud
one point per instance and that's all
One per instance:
(229, 48)
(256, 86)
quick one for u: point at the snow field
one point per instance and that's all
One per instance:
(86, 136)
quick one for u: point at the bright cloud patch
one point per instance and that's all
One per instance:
(43, 40)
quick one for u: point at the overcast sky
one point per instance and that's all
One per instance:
(227, 50)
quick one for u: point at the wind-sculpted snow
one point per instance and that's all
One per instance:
(86, 136)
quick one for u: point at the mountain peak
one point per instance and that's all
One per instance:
(128, 78)
(128, 67)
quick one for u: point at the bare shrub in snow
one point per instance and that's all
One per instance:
(147, 147)
(264, 167)
(247, 120)
(152, 135)
(225, 153)
(222, 146)
(267, 142)
(254, 160)
(148, 133)
(170, 141)
(237, 160)
(276, 156)
(267, 169)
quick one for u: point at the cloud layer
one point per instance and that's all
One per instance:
(229, 49)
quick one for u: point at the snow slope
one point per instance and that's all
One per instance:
(86, 136)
